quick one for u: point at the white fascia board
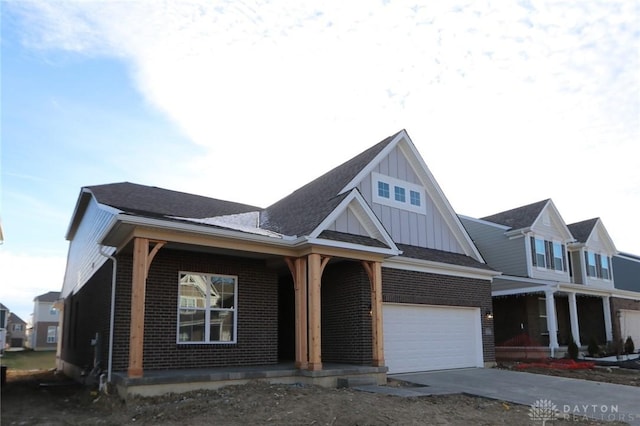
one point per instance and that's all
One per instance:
(566, 235)
(439, 198)
(369, 167)
(484, 222)
(427, 266)
(352, 246)
(365, 215)
(84, 199)
(592, 291)
(599, 227)
(200, 229)
(522, 290)
(532, 281)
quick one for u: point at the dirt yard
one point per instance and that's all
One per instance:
(43, 398)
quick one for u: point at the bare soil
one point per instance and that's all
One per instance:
(45, 398)
(621, 376)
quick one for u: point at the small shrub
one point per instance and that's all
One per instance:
(629, 347)
(573, 350)
(593, 348)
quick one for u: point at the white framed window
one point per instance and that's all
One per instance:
(590, 260)
(17, 327)
(414, 198)
(604, 268)
(405, 195)
(207, 308)
(53, 310)
(540, 255)
(51, 334)
(558, 256)
(383, 189)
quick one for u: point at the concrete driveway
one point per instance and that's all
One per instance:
(573, 398)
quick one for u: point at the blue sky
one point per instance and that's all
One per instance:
(508, 103)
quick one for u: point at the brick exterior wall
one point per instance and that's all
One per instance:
(399, 286)
(87, 313)
(346, 324)
(616, 305)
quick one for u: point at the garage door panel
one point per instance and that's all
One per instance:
(422, 338)
(630, 325)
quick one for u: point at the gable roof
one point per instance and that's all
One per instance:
(582, 230)
(303, 210)
(157, 202)
(14, 319)
(520, 217)
(50, 296)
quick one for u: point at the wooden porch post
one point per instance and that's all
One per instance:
(316, 264)
(298, 268)
(374, 270)
(142, 259)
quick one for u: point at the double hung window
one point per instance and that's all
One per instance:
(207, 308)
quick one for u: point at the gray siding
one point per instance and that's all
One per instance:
(501, 253)
(348, 223)
(84, 256)
(626, 273)
(408, 227)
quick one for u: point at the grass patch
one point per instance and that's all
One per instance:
(29, 360)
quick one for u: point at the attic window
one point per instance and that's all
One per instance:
(383, 189)
(406, 195)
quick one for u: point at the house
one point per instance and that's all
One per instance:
(4, 316)
(43, 333)
(626, 314)
(16, 331)
(557, 281)
(364, 270)
(627, 267)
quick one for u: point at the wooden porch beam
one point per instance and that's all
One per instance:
(316, 265)
(298, 269)
(374, 271)
(142, 259)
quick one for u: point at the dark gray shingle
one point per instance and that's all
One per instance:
(441, 256)
(520, 217)
(582, 230)
(303, 210)
(157, 202)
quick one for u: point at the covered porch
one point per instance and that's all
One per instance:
(302, 269)
(536, 319)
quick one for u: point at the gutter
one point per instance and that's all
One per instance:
(111, 313)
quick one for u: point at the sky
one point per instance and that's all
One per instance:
(508, 102)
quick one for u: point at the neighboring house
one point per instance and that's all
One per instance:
(43, 334)
(368, 265)
(627, 267)
(16, 331)
(557, 281)
(626, 314)
(4, 316)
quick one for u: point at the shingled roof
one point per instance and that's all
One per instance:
(582, 230)
(50, 296)
(520, 217)
(158, 202)
(441, 256)
(303, 210)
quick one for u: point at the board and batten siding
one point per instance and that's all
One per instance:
(508, 256)
(84, 256)
(428, 230)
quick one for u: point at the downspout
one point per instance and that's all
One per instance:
(113, 310)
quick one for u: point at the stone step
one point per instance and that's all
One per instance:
(350, 382)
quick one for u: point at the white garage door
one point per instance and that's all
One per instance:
(426, 337)
(630, 325)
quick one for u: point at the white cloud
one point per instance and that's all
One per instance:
(24, 276)
(508, 103)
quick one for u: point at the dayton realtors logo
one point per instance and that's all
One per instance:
(544, 410)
